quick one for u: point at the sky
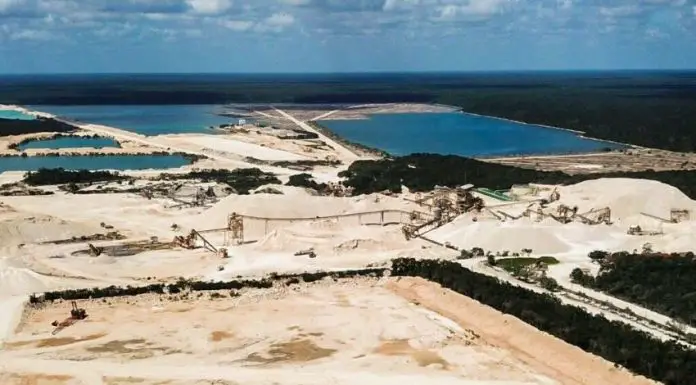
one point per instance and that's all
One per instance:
(284, 36)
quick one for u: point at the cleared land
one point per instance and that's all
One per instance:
(343, 332)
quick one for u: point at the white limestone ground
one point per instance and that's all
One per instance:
(28, 266)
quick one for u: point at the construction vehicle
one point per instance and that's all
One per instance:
(637, 230)
(676, 215)
(189, 241)
(76, 314)
(309, 252)
(95, 251)
(222, 252)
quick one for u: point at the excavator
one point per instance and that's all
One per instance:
(76, 314)
(94, 250)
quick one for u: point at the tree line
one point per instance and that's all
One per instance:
(194, 285)
(21, 127)
(242, 180)
(667, 362)
(664, 283)
(55, 176)
(422, 172)
(649, 109)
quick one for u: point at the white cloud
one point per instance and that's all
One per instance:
(6, 5)
(296, 2)
(276, 22)
(280, 20)
(619, 11)
(473, 9)
(655, 33)
(31, 34)
(565, 4)
(390, 5)
(209, 7)
(237, 25)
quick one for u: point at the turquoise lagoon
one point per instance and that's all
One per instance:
(460, 134)
(9, 114)
(88, 162)
(146, 119)
(70, 142)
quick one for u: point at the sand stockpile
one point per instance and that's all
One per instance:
(496, 236)
(292, 204)
(330, 237)
(25, 228)
(627, 198)
(287, 239)
(16, 280)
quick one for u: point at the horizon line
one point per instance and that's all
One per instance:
(453, 72)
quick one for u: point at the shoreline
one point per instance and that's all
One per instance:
(358, 147)
(456, 109)
(373, 151)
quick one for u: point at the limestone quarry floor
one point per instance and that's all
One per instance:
(348, 332)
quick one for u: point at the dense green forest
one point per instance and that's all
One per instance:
(422, 172)
(54, 176)
(19, 127)
(668, 362)
(663, 283)
(653, 109)
(242, 180)
(418, 172)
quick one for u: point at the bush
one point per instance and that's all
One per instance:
(305, 180)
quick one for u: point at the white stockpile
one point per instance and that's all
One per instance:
(293, 203)
(627, 199)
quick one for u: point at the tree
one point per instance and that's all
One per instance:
(491, 260)
(578, 276)
(465, 254)
(549, 284)
(598, 255)
(73, 188)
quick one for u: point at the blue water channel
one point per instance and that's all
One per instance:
(110, 162)
(8, 114)
(460, 134)
(146, 119)
(70, 142)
